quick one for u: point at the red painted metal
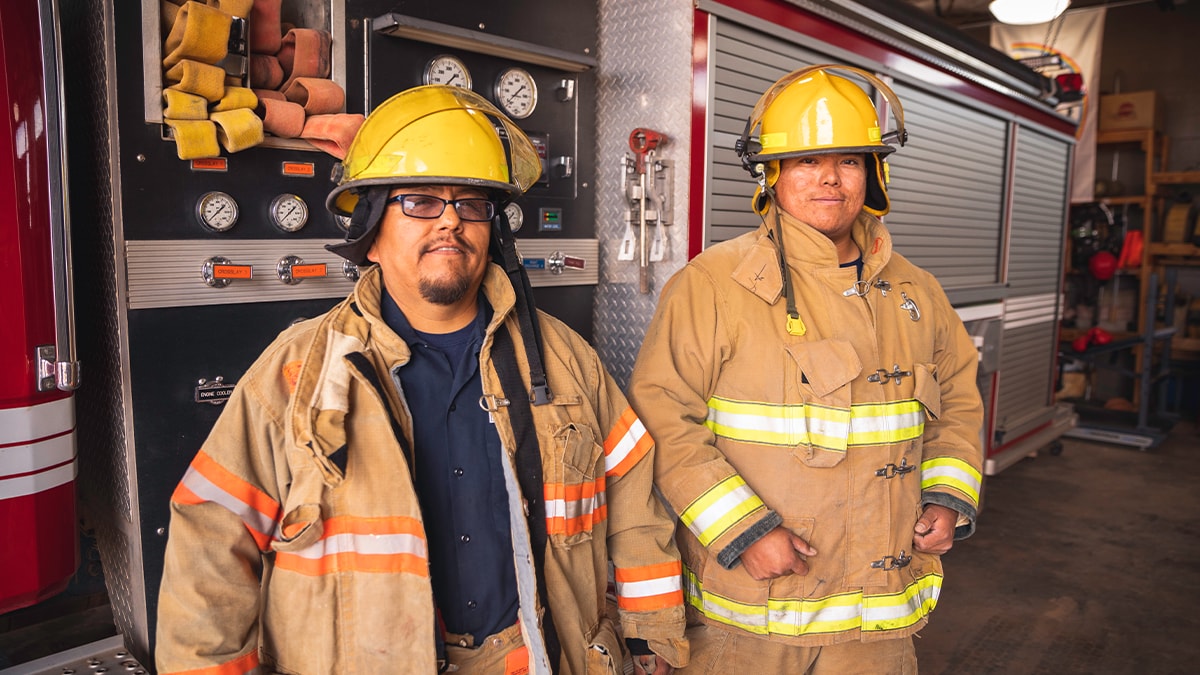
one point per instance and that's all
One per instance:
(37, 530)
(700, 84)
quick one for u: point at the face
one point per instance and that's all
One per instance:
(824, 191)
(441, 259)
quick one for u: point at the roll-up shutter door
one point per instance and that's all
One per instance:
(1034, 268)
(1039, 201)
(745, 64)
(947, 189)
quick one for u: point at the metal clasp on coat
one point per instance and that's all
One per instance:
(882, 376)
(908, 304)
(490, 404)
(892, 470)
(888, 562)
(884, 286)
(860, 288)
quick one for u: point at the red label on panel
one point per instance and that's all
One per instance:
(210, 164)
(308, 271)
(233, 271)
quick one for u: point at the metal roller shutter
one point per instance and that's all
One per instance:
(1038, 205)
(947, 189)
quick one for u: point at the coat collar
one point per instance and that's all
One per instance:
(808, 250)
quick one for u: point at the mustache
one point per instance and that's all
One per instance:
(451, 240)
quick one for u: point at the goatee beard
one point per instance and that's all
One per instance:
(444, 292)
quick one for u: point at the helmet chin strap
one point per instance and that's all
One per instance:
(795, 326)
(504, 251)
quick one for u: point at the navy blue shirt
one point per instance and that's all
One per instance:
(458, 475)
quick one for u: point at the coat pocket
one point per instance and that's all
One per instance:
(574, 485)
(604, 656)
(821, 425)
(926, 389)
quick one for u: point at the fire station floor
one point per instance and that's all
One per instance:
(1084, 562)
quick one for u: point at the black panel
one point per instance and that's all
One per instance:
(170, 351)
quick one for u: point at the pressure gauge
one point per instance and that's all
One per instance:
(289, 212)
(516, 92)
(446, 69)
(217, 211)
(516, 217)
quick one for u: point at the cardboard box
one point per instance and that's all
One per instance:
(1134, 110)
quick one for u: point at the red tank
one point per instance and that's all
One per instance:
(38, 531)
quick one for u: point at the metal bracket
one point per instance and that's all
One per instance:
(54, 374)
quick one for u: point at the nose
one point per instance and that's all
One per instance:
(831, 173)
(449, 219)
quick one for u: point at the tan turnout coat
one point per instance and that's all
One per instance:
(841, 434)
(297, 542)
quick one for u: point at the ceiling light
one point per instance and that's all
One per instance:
(1026, 12)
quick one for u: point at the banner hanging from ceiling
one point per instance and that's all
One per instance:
(1069, 45)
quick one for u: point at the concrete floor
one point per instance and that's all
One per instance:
(1084, 562)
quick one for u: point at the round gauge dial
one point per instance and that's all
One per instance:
(516, 92)
(516, 217)
(217, 211)
(289, 212)
(450, 70)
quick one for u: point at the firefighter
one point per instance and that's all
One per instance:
(361, 504)
(813, 397)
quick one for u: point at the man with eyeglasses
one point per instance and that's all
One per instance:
(433, 476)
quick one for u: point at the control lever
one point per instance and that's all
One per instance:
(643, 142)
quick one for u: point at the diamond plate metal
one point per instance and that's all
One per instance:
(105, 494)
(645, 80)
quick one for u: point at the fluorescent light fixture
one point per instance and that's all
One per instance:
(1027, 12)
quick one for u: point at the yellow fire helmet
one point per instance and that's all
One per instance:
(430, 135)
(811, 112)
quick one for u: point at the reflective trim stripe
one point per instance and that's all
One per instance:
(571, 509)
(352, 544)
(207, 481)
(37, 467)
(31, 423)
(808, 424)
(648, 588)
(626, 444)
(795, 617)
(241, 666)
(953, 473)
(720, 508)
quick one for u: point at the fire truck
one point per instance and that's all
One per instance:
(137, 286)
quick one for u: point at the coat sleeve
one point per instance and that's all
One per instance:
(686, 345)
(641, 544)
(952, 449)
(224, 515)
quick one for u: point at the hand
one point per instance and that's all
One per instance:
(649, 664)
(935, 529)
(779, 553)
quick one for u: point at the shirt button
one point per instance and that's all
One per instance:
(458, 472)
(466, 538)
(471, 604)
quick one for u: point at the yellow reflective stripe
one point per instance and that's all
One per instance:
(903, 609)
(953, 473)
(883, 423)
(785, 425)
(829, 428)
(720, 508)
(839, 613)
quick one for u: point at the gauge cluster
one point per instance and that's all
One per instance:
(514, 90)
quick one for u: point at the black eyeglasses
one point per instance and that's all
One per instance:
(475, 209)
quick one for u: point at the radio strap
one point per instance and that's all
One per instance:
(529, 473)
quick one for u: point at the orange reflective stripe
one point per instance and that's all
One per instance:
(648, 588)
(207, 481)
(626, 445)
(242, 666)
(575, 508)
(351, 544)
